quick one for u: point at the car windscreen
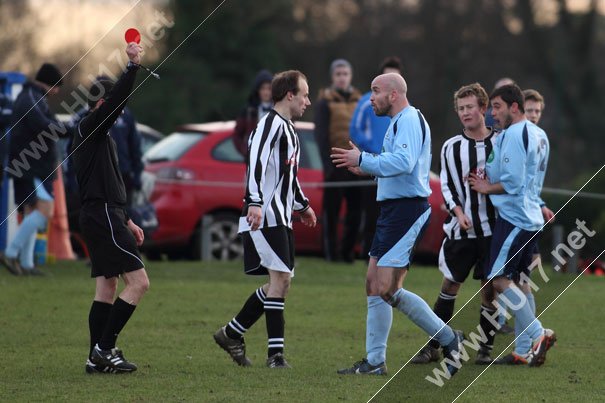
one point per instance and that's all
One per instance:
(172, 147)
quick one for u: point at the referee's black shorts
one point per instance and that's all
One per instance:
(269, 248)
(458, 257)
(111, 245)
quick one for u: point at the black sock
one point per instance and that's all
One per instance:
(252, 310)
(97, 320)
(120, 313)
(444, 308)
(274, 314)
(488, 328)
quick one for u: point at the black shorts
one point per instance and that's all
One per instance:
(112, 246)
(270, 248)
(458, 256)
(27, 194)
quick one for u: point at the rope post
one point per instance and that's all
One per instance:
(205, 238)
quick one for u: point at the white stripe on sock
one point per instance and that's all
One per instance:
(235, 329)
(261, 294)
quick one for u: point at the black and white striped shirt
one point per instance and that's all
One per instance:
(460, 156)
(271, 179)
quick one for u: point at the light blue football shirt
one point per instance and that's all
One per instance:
(514, 162)
(402, 168)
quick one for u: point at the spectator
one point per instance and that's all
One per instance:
(333, 114)
(33, 177)
(259, 104)
(6, 112)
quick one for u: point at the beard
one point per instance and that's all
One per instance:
(382, 111)
(508, 120)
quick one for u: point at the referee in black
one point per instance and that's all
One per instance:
(112, 238)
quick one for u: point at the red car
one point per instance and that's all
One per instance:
(197, 172)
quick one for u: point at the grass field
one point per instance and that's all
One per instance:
(44, 333)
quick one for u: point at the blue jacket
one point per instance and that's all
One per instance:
(367, 129)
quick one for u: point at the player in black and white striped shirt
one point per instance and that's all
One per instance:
(272, 195)
(468, 229)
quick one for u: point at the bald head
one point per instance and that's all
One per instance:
(392, 82)
(389, 94)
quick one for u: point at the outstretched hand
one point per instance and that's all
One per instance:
(343, 158)
(134, 50)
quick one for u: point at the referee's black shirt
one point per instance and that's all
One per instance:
(95, 157)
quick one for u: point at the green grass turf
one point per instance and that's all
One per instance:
(44, 336)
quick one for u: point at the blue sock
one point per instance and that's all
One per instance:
(532, 302)
(380, 318)
(26, 257)
(30, 225)
(523, 342)
(502, 316)
(522, 313)
(423, 316)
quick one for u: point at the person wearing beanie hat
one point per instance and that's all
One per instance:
(259, 104)
(32, 164)
(333, 114)
(50, 75)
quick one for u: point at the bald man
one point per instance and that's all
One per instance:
(402, 172)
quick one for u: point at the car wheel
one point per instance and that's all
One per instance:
(225, 242)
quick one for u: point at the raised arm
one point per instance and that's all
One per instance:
(104, 116)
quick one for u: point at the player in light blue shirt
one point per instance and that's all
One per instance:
(516, 169)
(512, 169)
(402, 169)
(367, 132)
(534, 105)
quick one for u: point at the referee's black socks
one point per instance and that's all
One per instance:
(251, 311)
(97, 321)
(118, 317)
(274, 314)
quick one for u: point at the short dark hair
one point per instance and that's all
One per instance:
(510, 94)
(535, 96)
(98, 90)
(391, 62)
(284, 82)
(468, 90)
